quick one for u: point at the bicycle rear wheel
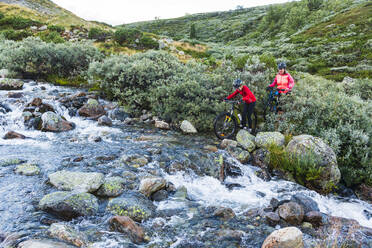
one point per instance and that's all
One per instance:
(225, 126)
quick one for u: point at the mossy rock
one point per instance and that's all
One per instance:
(267, 139)
(68, 205)
(9, 84)
(246, 140)
(113, 186)
(13, 161)
(133, 205)
(27, 169)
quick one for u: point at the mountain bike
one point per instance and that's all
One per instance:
(272, 102)
(226, 123)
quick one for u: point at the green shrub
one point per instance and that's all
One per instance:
(2, 15)
(327, 110)
(148, 42)
(51, 36)
(99, 34)
(11, 34)
(16, 22)
(33, 58)
(126, 35)
(56, 28)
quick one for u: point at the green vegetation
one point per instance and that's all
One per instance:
(99, 34)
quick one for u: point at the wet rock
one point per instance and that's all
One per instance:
(78, 181)
(289, 237)
(132, 204)
(13, 161)
(224, 213)
(291, 212)
(162, 125)
(232, 170)
(261, 158)
(13, 135)
(145, 117)
(306, 202)
(364, 192)
(104, 121)
(4, 108)
(127, 226)
(112, 187)
(94, 138)
(118, 114)
(246, 140)
(274, 203)
(135, 161)
(54, 123)
(263, 174)
(241, 155)
(271, 218)
(68, 234)
(149, 186)
(15, 95)
(27, 169)
(228, 143)
(324, 157)
(314, 217)
(10, 84)
(36, 102)
(231, 235)
(68, 205)
(160, 195)
(265, 139)
(181, 193)
(210, 148)
(37, 105)
(187, 127)
(43, 243)
(92, 109)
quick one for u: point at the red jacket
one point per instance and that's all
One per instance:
(248, 96)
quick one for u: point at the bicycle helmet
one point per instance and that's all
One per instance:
(282, 65)
(237, 83)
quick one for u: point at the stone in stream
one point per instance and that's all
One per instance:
(118, 114)
(15, 94)
(149, 186)
(112, 186)
(224, 213)
(27, 169)
(246, 140)
(37, 105)
(187, 127)
(92, 109)
(68, 205)
(322, 156)
(265, 139)
(162, 125)
(271, 218)
(10, 84)
(43, 243)
(314, 217)
(52, 122)
(12, 161)
(306, 202)
(132, 204)
(289, 237)
(104, 121)
(228, 143)
(4, 108)
(241, 155)
(127, 226)
(69, 234)
(13, 135)
(78, 181)
(291, 212)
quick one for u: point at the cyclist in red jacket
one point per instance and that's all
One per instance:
(249, 102)
(283, 79)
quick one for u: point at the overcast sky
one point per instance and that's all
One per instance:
(117, 12)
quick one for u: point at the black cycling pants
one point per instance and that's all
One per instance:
(247, 112)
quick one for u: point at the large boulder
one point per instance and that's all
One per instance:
(289, 237)
(246, 140)
(10, 84)
(78, 181)
(52, 122)
(309, 147)
(265, 139)
(291, 212)
(92, 109)
(187, 127)
(127, 226)
(68, 205)
(306, 202)
(132, 204)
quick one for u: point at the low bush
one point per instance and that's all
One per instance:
(51, 36)
(126, 35)
(99, 34)
(11, 34)
(56, 28)
(337, 114)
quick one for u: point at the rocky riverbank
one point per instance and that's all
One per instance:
(78, 171)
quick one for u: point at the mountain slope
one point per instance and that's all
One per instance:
(44, 11)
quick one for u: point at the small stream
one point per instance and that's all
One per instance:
(180, 222)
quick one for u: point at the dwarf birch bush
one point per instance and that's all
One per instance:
(325, 109)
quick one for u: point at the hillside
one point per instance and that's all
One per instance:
(45, 11)
(331, 38)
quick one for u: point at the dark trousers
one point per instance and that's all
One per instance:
(247, 112)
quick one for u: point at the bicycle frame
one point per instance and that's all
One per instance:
(235, 111)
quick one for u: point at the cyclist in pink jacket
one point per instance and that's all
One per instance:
(283, 79)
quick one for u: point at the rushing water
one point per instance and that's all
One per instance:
(19, 195)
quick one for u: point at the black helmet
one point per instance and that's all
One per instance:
(282, 65)
(237, 83)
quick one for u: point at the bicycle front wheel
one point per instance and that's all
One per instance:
(225, 126)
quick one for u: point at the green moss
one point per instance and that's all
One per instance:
(63, 81)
